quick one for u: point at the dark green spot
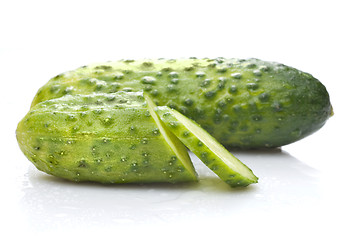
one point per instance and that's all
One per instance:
(174, 80)
(127, 89)
(186, 133)
(119, 76)
(264, 97)
(173, 124)
(183, 110)
(134, 167)
(204, 155)
(222, 70)
(264, 68)
(180, 169)
(237, 108)
(214, 167)
(82, 164)
(212, 65)
(220, 60)
(221, 104)
(205, 83)
(148, 88)
(68, 90)
(71, 117)
(103, 67)
(251, 65)
(154, 92)
(257, 118)
(114, 87)
(171, 88)
(233, 89)
(257, 73)
(277, 107)
(147, 64)
(99, 86)
(244, 128)
(210, 94)
(111, 98)
(187, 69)
(98, 161)
(221, 82)
(200, 74)
(166, 69)
(108, 169)
(55, 89)
(107, 121)
(252, 86)
(173, 75)
(156, 132)
(148, 80)
(188, 102)
(97, 111)
(236, 75)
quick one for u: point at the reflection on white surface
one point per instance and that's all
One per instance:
(284, 183)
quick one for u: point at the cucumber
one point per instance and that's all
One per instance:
(242, 103)
(106, 138)
(206, 148)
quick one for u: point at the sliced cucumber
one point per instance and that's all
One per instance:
(107, 138)
(206, 148)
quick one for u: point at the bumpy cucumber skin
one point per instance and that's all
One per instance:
(242, 103)
(106, 138)
(203, 152)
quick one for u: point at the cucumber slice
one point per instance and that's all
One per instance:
(206, 148)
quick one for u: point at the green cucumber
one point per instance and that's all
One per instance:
(107, 138)
(242, 103)
(206, 148)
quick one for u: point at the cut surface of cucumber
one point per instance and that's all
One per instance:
(176, 145)
(206, 148)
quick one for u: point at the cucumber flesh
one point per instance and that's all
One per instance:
(175, 144)
(207, 148)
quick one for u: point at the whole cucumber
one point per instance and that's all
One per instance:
(107, 138)
(242, 103)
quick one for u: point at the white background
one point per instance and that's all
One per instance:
(307, 190)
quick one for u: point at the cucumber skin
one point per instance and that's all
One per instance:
(100, 138)
(204, 153)
(242, 103)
